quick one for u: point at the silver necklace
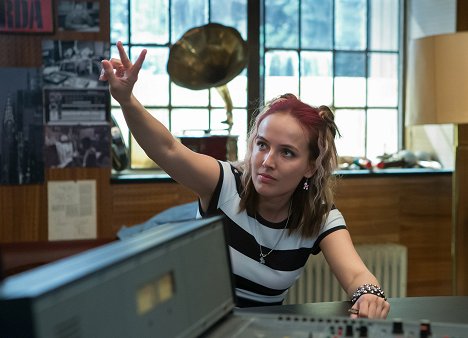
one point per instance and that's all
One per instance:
(262, 255)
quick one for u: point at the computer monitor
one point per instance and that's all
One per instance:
(173, 280)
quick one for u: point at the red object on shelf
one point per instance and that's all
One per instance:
(221, 147)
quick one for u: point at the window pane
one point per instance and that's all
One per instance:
(281, 73)
(350, 82)
(316, 27)
(239, 128)
(119, 20)
(138, 157)
(232, 13)
(183, 97)
(382, 132)
(350, 24)
(384, 18)
(281, 24)
(317, 78)
(383, 80)
(152, 87)
(237, 90)
(351, 124)
(189, 121)
(149, 21)
(187, 14)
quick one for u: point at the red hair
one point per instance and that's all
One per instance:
(310, 207)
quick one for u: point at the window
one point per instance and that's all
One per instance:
(156, 25)
(341, 53)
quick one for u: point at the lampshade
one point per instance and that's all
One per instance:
(438, 80)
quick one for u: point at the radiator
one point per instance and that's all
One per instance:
(388, 262)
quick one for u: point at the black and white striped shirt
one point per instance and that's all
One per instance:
(262, 284)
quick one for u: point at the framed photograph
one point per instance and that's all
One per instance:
(21, 126)
(74, 106)
(26, 16)
(75, 146)
(78, 15)
(73, 64)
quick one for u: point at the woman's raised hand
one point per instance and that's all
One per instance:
(122, 80)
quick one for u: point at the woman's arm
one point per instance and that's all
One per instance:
(352, 273)
(198, 172)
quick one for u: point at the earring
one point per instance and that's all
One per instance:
(306, 184)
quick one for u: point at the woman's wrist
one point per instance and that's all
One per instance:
(369, 289)
(128, 102)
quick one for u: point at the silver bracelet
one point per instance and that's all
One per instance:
(368, 289)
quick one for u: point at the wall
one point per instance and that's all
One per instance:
(23, 208)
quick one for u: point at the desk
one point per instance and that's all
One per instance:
(450, 309)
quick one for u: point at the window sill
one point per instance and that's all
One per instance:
(142, 176)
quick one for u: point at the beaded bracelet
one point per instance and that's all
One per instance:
(368, 289)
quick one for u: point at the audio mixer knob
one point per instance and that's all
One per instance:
(397, 327)
(425, 329)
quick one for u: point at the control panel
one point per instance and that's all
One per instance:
(254, 325)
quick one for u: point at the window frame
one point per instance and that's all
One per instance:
(256, 64)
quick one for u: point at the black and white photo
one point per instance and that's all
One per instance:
(73, 64)
(68, 105)
(21, 126)
(78, 15)
(72, 146)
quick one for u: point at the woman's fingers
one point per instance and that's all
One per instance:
(123, 56)
(369, 306)
(137, 66)
(139, 61)
(107, 72)
(124, 69)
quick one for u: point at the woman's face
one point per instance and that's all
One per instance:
(280, 156)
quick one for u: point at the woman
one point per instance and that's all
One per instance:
(278, 202)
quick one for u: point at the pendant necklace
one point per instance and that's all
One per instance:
(264, 255)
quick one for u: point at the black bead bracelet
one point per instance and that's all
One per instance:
(368, 289)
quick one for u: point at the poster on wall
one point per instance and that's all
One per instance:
(68, 105)
(72, 146)
(21, 126)
(78, 16)
(73, 64)
(71, 210)
(26, 16)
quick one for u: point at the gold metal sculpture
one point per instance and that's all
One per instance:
(208, 56)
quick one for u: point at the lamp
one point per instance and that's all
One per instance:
(437, 93)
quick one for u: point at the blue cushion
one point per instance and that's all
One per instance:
(179, 213)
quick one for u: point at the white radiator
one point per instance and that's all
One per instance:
(388, 262)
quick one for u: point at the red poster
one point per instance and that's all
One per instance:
(26, 16)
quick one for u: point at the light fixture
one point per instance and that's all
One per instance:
(437, 93)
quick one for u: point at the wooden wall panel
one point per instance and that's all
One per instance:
(411, 210)
(22, 212)
(135, 203)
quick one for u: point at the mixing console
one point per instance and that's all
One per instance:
(253, 325)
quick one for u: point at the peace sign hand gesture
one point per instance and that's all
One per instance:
(122, 80)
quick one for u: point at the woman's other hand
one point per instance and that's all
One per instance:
(370, 306)
(121, 74)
